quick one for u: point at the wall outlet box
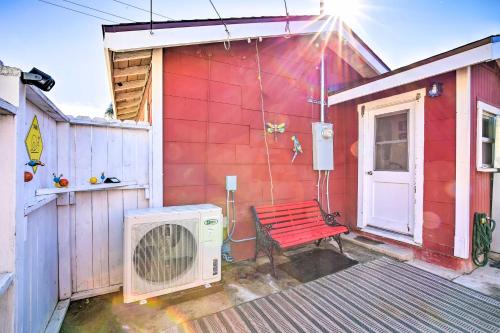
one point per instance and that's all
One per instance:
(322, 146)
(230, 183)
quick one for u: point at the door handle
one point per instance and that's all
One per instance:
(369, 173)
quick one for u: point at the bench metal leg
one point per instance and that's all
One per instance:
(271, 260)
(339, 242)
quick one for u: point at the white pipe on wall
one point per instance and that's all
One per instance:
(322, 83)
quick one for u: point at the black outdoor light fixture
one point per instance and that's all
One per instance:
(38, 78)
(436, 89)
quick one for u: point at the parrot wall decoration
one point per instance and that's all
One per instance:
(32, 163)
(297, 147)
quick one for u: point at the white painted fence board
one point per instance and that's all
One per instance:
(84, 242)
(115, 207)
(129, 200)
(82, 153)
(100, 239)
(41, 268)
(115, 211)
(142, 155)
(64, 157)
(99, 160)
(129, 154)
(142, 201)
(72, 231)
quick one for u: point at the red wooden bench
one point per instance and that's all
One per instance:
(292, 224)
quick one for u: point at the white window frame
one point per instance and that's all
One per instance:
(494, 111)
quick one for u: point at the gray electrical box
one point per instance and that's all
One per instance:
(322, 146)
(230, 183)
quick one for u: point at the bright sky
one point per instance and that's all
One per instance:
(68, 46)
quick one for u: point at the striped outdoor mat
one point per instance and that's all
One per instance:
(379, 296)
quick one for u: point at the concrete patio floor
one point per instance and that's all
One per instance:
(242, 282)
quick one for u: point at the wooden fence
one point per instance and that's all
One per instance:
(74, 236)
(61, 243)
(90, 221)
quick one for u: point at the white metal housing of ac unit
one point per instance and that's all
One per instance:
(170, 249)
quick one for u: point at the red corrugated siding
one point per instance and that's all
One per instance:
(439, 161)
(485, 87)
(213, 125)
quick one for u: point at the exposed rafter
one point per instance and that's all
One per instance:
(133, 55)
(124, 115)
(128, 96)
(127, 105)
(134, 70)
(136, 84)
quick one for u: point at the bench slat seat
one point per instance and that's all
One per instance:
(292, 224)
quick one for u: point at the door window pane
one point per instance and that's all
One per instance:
(391, 142)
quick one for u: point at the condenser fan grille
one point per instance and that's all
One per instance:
(164, 255)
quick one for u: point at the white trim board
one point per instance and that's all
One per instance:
(172, 37)
(479, 54)
(418, 98)
(143, 39)
(156, 133)
(462, 166)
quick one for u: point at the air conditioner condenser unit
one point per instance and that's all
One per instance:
(170, 249)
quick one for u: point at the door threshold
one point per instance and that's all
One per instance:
(408, 239)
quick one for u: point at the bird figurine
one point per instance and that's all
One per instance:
(275, 128)
(297, 148)
(102, 177)
(33, 163)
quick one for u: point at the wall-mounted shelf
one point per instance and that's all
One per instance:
(89, 187)
(37, 202)
(6, 279)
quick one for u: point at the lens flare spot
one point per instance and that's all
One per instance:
(431, 220)
(354, 149)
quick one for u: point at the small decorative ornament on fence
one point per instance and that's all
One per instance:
(59, 181)
(297, 147)
(28, 176)
(34, 145)
(276, 129)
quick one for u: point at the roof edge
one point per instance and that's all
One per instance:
(472, 45)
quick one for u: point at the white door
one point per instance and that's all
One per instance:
(389, 168)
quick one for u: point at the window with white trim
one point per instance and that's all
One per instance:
(488, 138)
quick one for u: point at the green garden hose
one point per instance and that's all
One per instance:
(482, 236)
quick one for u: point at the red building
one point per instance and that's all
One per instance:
(209, 95)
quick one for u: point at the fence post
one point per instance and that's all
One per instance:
(63, 211)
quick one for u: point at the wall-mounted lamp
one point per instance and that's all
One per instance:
(436, 89)
(38, 78)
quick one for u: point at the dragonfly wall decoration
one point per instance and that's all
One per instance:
(275, 129)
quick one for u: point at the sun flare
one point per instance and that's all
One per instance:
(346, 10)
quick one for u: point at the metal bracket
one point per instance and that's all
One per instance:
(315, 101)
